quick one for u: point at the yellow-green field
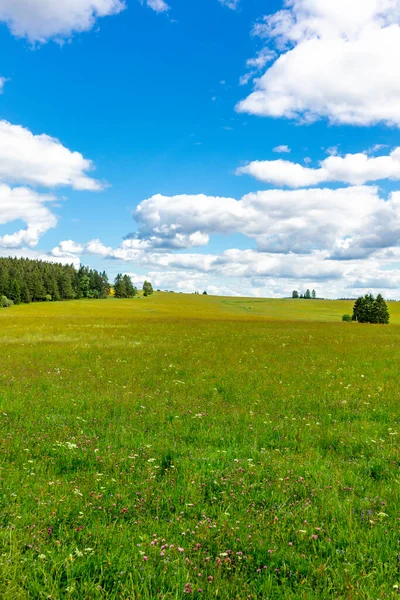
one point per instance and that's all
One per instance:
(175, 446)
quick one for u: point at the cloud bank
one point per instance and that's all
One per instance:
(355, 169)
(336, 60)
(41, 20)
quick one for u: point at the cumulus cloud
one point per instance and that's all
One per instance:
(233, 4)
(356, 169)
(158, 6)
(298, 221)
(41, 160)
(282, 149)
(338, 60)
(28, 206)
(344, 224)
(41, 20)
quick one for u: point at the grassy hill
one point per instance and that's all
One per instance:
(191, 306)
(183, 445)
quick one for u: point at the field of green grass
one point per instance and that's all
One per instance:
(190, 446)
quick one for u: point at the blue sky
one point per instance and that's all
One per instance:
(168, 102)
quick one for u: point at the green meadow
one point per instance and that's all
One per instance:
(190, 446)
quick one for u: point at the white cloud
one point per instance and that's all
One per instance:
(251, 273)
(344, 224)
(281, 149)
(41, 160)
(69, 247)
(233, 4)
(158, 6)
(36, 160)
(356, 169)
(41, 20)
(338, 61)
(28, 206)
(298, 221)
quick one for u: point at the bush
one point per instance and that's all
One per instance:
(5, 302)
(347, 318)
(48, 298)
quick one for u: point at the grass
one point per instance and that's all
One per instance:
(153, 448)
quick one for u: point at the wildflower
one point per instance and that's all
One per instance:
(180, 549)
(145, 558)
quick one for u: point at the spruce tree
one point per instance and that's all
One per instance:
(14, 293)
(368, 309)
(381, 311)
(119, 287)
(129, 287)
(65, 286)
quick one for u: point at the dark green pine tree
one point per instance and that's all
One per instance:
(307, 294)
(26, 280)
(4, 280)
(313, 294)
(65, 286)
(36, 285)
(119, 287)
(380, 311)
(84, 286)
(105, 286)
(131, 291)
(357, 309)
(14, 292)
(368, 309)
(25, 295)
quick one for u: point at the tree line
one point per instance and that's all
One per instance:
(26, 280)
(307, 294)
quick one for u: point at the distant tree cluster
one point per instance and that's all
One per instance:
(307, 295)
(25, 280)
(123, 287)
(368, 309)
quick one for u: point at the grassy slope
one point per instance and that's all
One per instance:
(258, 436)
(169, 305)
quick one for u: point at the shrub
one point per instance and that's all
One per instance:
(5, 302)
(48, 298)
(347, 318)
